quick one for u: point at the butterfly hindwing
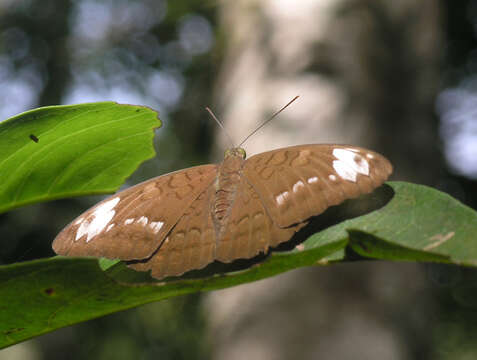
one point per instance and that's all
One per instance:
(132, 224)
(298, 182)
(250, 229)
(190, 244)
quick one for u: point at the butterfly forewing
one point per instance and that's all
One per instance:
(131, 224)
(298, 182)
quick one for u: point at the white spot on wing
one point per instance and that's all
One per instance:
(142, 220)
(344, 170)
(156, 226)
(349, 164)
(98, 220)
(128, 221)
(312, 180)
(110, 226)
(332, 177)
(281, 198)
(298, 185)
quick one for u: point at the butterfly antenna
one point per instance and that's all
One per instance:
(222, 126)
(267, 121)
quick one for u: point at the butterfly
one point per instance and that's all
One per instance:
(240, 208)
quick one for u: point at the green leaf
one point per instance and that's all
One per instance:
(43, 295)
(374, 247)
(64, 151)
(418, 218)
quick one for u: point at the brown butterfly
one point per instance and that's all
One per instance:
(189, 218)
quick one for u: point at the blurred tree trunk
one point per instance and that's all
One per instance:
(58, 61)
(367, 73)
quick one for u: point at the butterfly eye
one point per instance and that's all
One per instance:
(235, 152)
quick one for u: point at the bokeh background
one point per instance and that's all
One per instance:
(398, 77)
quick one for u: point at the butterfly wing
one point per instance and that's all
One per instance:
(298, 182)
(250, 229)
(190, 244)
(132, 224)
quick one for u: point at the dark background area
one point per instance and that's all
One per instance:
(166, 55)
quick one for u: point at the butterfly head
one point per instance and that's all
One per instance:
(235, 152)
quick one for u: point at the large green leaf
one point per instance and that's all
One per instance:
(419, 220)
(63, 151)
(418, 223)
